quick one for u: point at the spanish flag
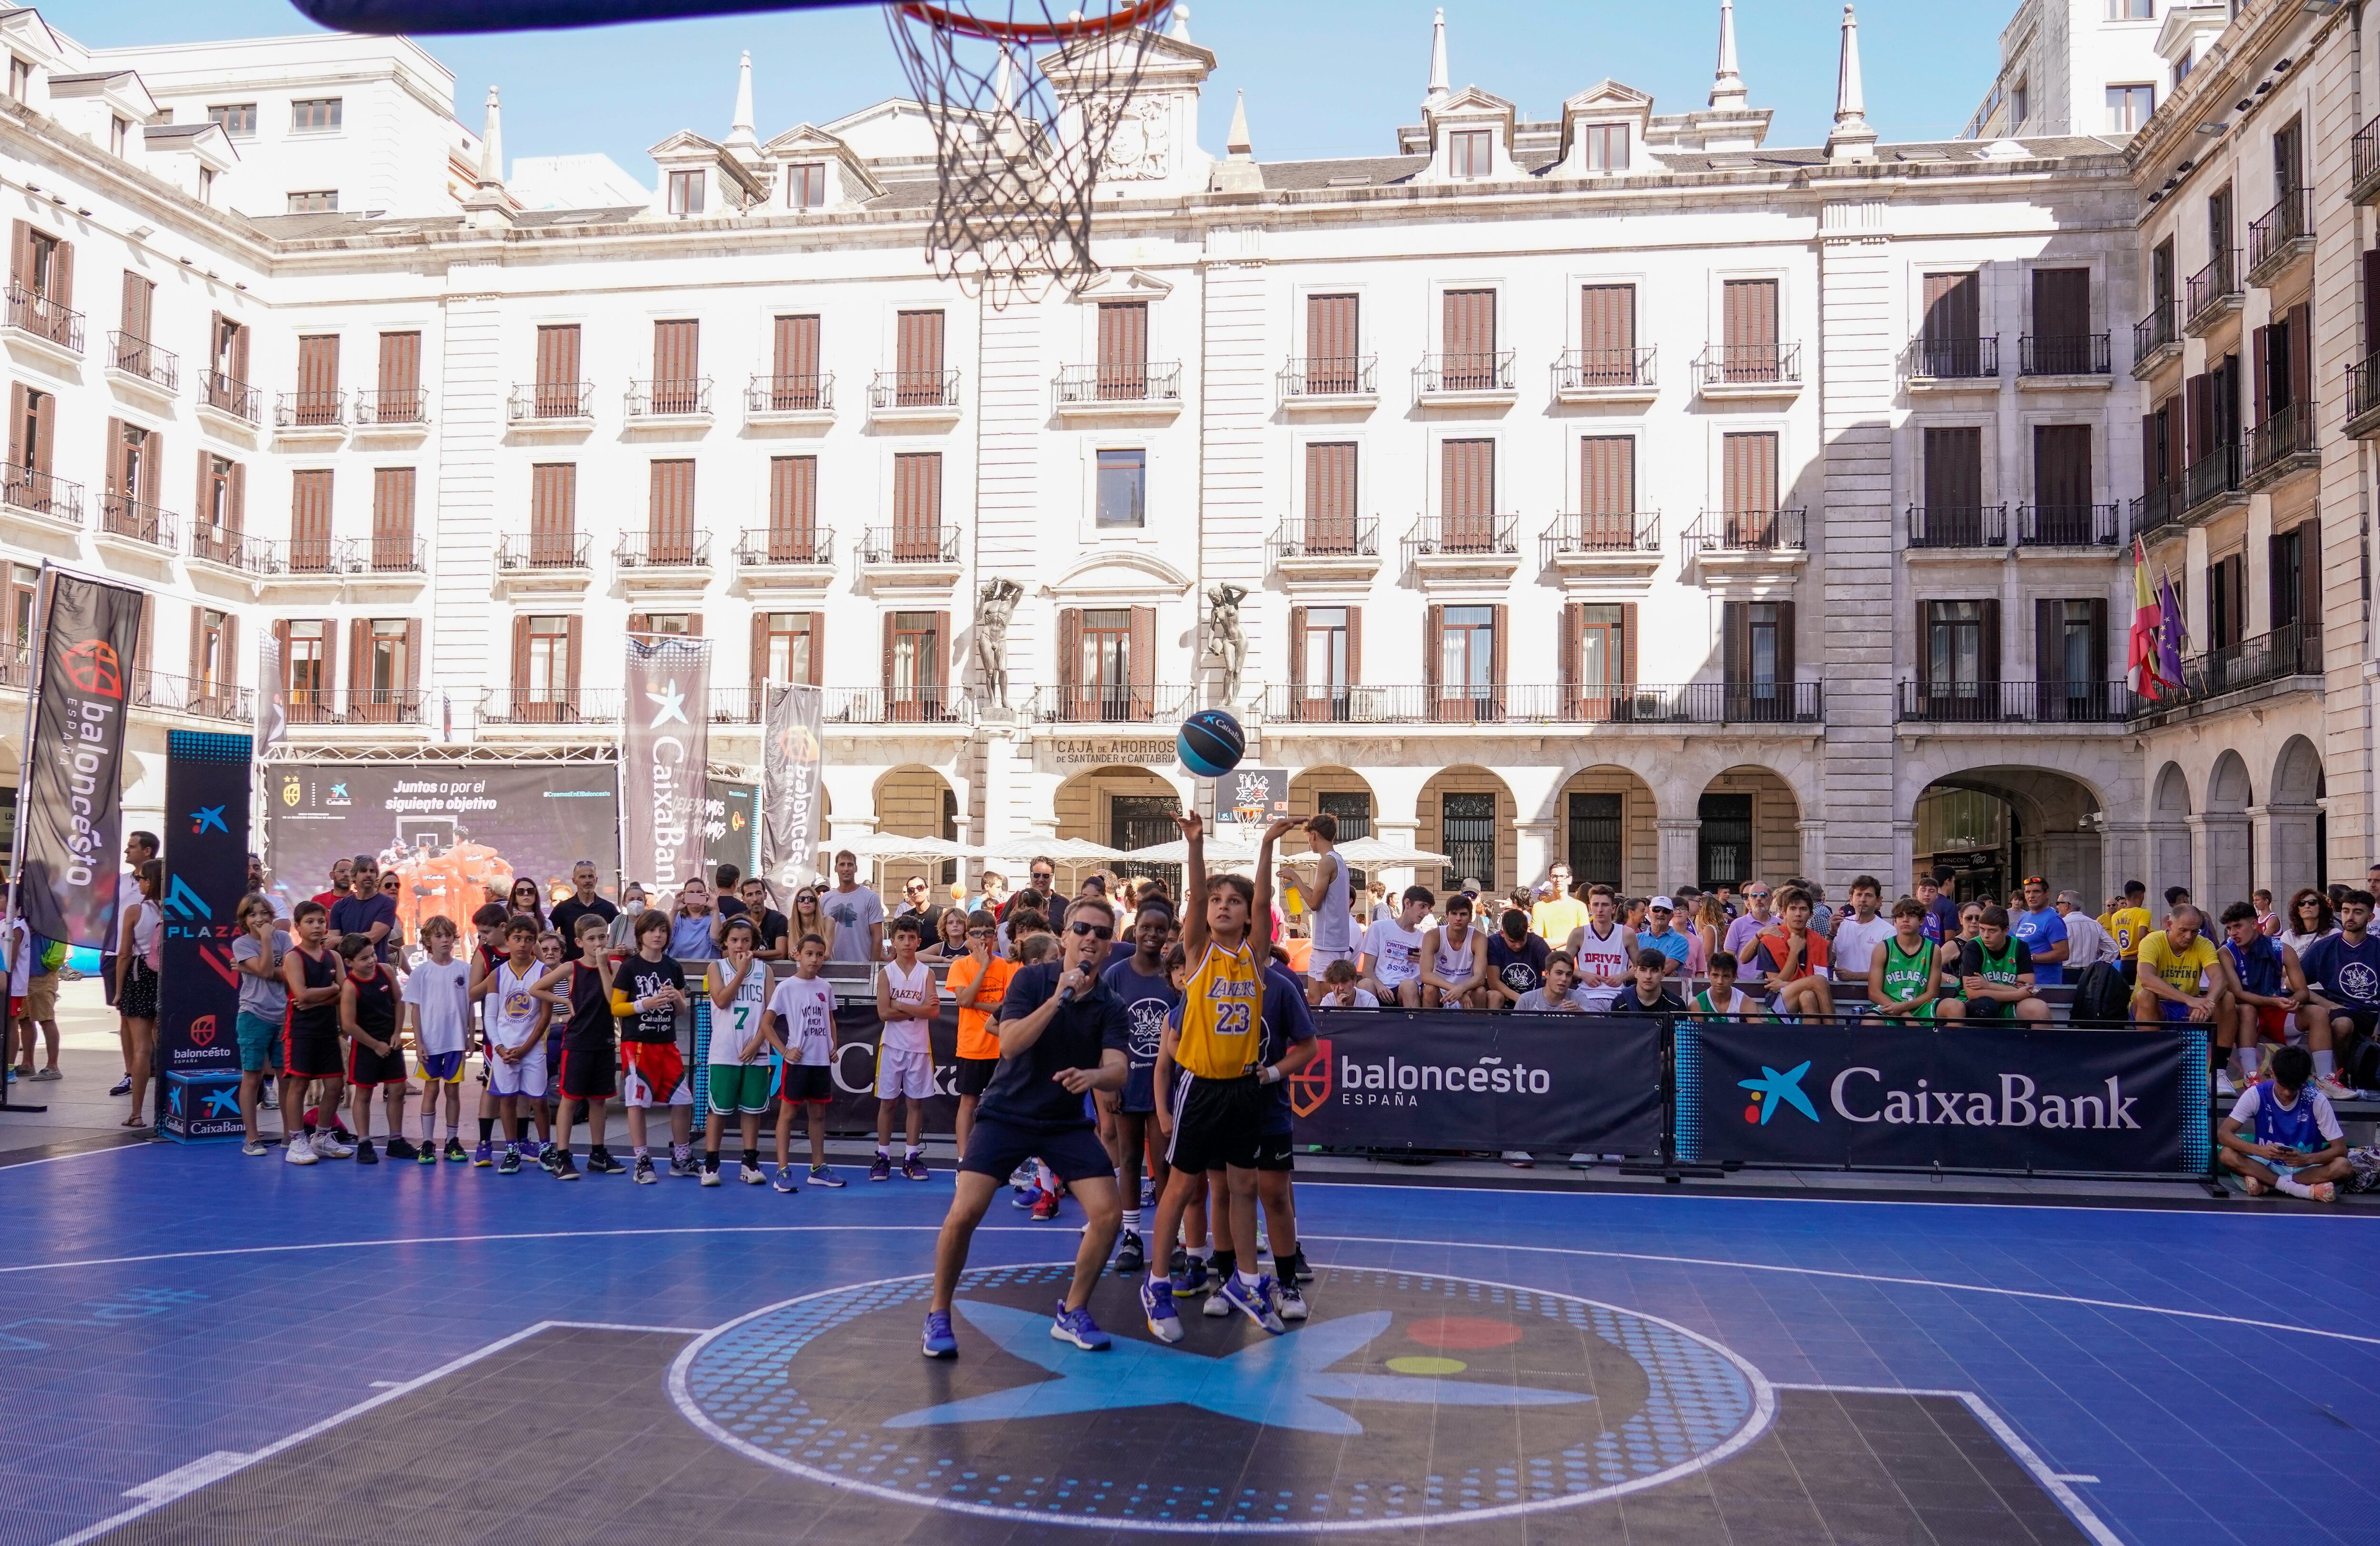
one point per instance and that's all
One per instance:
(2143, 672)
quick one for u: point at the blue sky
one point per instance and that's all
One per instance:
(1321, 79)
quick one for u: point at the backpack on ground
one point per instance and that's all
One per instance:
(2102, 995)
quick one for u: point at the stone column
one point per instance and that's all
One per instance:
(1903, 879)
(1680, 850)
(1535, 847)
(2283, 837)
(1813, 857)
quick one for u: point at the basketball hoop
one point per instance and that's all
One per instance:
(1025, 104)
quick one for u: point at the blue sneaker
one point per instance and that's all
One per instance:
(821, 1176)
(1192, 1279)
(483, 1156)
(786, 1179)
(940, 1342)
(1157, 1304)
(1078, 1327)
(1255, 1303)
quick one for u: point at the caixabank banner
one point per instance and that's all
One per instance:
(858, 1034)
(1431, 1079)
(1969, 1098)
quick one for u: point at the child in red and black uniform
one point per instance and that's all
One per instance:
(369, 996)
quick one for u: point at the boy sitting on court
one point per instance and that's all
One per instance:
(2297, 1145)
(1904, 972)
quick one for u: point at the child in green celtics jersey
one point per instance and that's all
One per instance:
(1904, 974)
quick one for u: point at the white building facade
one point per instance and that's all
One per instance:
(1611, 486)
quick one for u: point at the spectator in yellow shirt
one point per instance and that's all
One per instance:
(1556, 918)
(2128, 923)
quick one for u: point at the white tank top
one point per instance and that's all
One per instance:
(735, 1028)
(915, 986)
(511, 1009)
(1600, 954)
(1333, 928)
(1455, 966)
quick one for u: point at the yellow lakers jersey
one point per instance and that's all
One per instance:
(1222, 1016)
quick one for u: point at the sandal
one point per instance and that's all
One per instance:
(133, 1121)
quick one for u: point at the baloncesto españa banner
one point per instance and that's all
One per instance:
(70, 808)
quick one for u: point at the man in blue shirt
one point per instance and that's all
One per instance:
(2343, 971)
(1658, 935)
(2043, 929)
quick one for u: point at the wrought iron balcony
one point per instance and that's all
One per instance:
(122, 515)
(2075, 353)
(161, 693)
(543, 549)
(894, 390)
(2293, 649)
(1629, 531)
(2283, 444)
(1933, 703)
(551, 705)
(760, 547)
(300, 556)
(689, 398)
(2211, 480)
(1749, 365)
(1461, 536)
(138, 357)
(2364, 398)
(547, 401)
(2070, 526)
(1547, 703)
(930, 704)
(405, 406)
(29, 488)
(1605, 370)
(311, 410)
(230, 394)
(2156, 514)
(910, 544)
(2280, 235)
(216, 544)
(388, 555)
(44, 319)
(1955, 359)
(1326, 538)
(2363, 160)
(1449, 375)
(665, 550)
(1143, 381)
(304, 706)
(1748, 530)
(1113, 703)
(1958, 526)
(2212, 292)
(810, 393)
(1331, 376)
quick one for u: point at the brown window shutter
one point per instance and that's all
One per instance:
(640, 622)
(2261, 350)
(1748, 315)
(1954, 475)
(62, 288)
(758, 672)
(46, 433)
(202, 494)
(1785, 631)
(1573, 624)
(557, 356)
(1433, 643)
(144, 647)
(400, 367)
(818, 649)
(281, 642)
(797, 349)
(917, 347)
(318, 370)
(1499, 649)
(19, 454)
(2062, 467)
(2048, 638)
(1748, 472)
(2302, 355)
(198, 643)
(1991, 661)
(1070, 646)
(20, 254)
(2062, 303)
(1297, 646)
(1607, 485)
(236, 500)
(1124, 334)
(671, 511)
(358, 655)
(1628, 644)
(1354, 645)
(520, 655)
(1607, 325)
(1140, 644)
(329, 660)
(1332, 344)
(885, 678)
(1953, 309)
(2098, 641)
(793, 506)
(412, 659)
(694, 624)
(137, 294)
(229, 676)
(2370, 301)
(942, 649)
(677, 348)
(573, 638)
(115, 456)
(1330, 497)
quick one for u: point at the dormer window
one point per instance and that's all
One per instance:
(206, 184)
(20, 79)
(1606, 147)
(806, 186)
(119, 135)
(686, 193)
(1471, 152)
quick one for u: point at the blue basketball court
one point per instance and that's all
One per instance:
(200, 1346)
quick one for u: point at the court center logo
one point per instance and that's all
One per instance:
(1441, 1400)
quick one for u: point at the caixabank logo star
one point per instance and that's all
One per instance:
(1436, 1400)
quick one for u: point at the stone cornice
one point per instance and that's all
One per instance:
(2241, 57)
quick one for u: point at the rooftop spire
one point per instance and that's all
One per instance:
(1181, 32)
(1237, 171)
(739, 131)
(1852, 140)
(1438, 86)
(1238, 143)
(1727, 85)
(492, 144)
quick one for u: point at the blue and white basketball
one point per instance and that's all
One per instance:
(1211, 743)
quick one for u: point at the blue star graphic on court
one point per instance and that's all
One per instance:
(208, 816)
(1773, 1086)
(1280, 1383)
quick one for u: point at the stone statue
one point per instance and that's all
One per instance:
(1227, 641)
(993, 606)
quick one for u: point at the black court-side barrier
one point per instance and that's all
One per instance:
(857, 1032)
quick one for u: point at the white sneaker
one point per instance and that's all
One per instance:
(299, 1151)
(2333, 1090)
(328, 1148)
(2223, 1085)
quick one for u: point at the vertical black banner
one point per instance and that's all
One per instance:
(790, 787)
(206, 866)
(70, 807)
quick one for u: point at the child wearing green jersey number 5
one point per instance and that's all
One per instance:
(1904, 975)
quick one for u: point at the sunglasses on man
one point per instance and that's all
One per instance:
(1094, 931)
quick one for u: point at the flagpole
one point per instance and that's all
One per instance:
(14, 916)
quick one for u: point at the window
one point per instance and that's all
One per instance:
(2020, 105)
(119, 136)
(1471, 152)
(322, 200)
(215, 505)
(310, 520)
(1467, 827)
(2289, 158)
(318, 399)
(1123, 488)
(1351, 807)
(1748, 331)
(679, 381)
(399, 401)
(391, 538)
(1466, 655)
(24, 584)
(2181, 68)
(1606, 147)
(1595, 827)
(2227, 602)
(1954, 648)
(1756, 651)
(1103, 665)
(686, 193)
(788, 647)
(1330, 497)
(793, 510)
(307, 665)
(206, 184)
(2070, 637)
(2128, 107)
(135, 477)
(1602, 651)
(1467, 336)
(236, 119)
(917, 359)
(670, 512)
(1723, 849)
(20, 79)
(1467, 496)
(795, 387)
(2132, 10)
(1332, 345)
(29, 436)
(677, 625)
(1123, 351)
(40, 268)
(210, 664)
(806, 186)
(917, 506)
(547, 673)
(1323, 651)
(315, 115)
(386, 665)
(914, 663)
(553, 514)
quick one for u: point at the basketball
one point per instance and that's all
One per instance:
(1211, 743)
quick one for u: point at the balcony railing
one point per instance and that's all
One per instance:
(2212, 476)
(122, 515)
(1588, 369)
(933, 704)
(811, 393)
(1747, 531)
(2363, 179)
(928, 389)
(551, 706)
(2286, 433)
(1327, 538)
(1958, 526)
(533, 402)
(2157, 511)
(2073, 354)
(216, 544)
(1140, 383)
(45, 318)
(910, 544)
(543, 549)
(391, 554)
(161, 693)
(2213, 288)
(138, 357)
(352, 706)
(1331, 376)
(305, 556)
(669, 399)
(1450, 373)
(43, 494)
(2272, 237)
(2363, 396)
(1547, 703)
(2156, 331)
(2015, 702)
(311, 410)
(761, 545)
(1112, 704)
(2293, 649)
(230, 394)
(1632, 531)
(395, 406)
(2070, 526)
(1955, 359)
(16, 666)
(1458, 536)
(663, 550)
(1750, 365)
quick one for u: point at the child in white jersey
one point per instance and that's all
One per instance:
(1454, 961)
(800, 1029)
(438, 1013)
(738, 986)
(907, 1002)
(516, 1020)
(1391, 966)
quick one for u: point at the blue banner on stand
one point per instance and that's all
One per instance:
(207, 778)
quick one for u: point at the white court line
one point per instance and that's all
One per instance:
(2051, 1481)
(2081, 1205)
(1855, 1277)
(120, 1146)
(208, 1470)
